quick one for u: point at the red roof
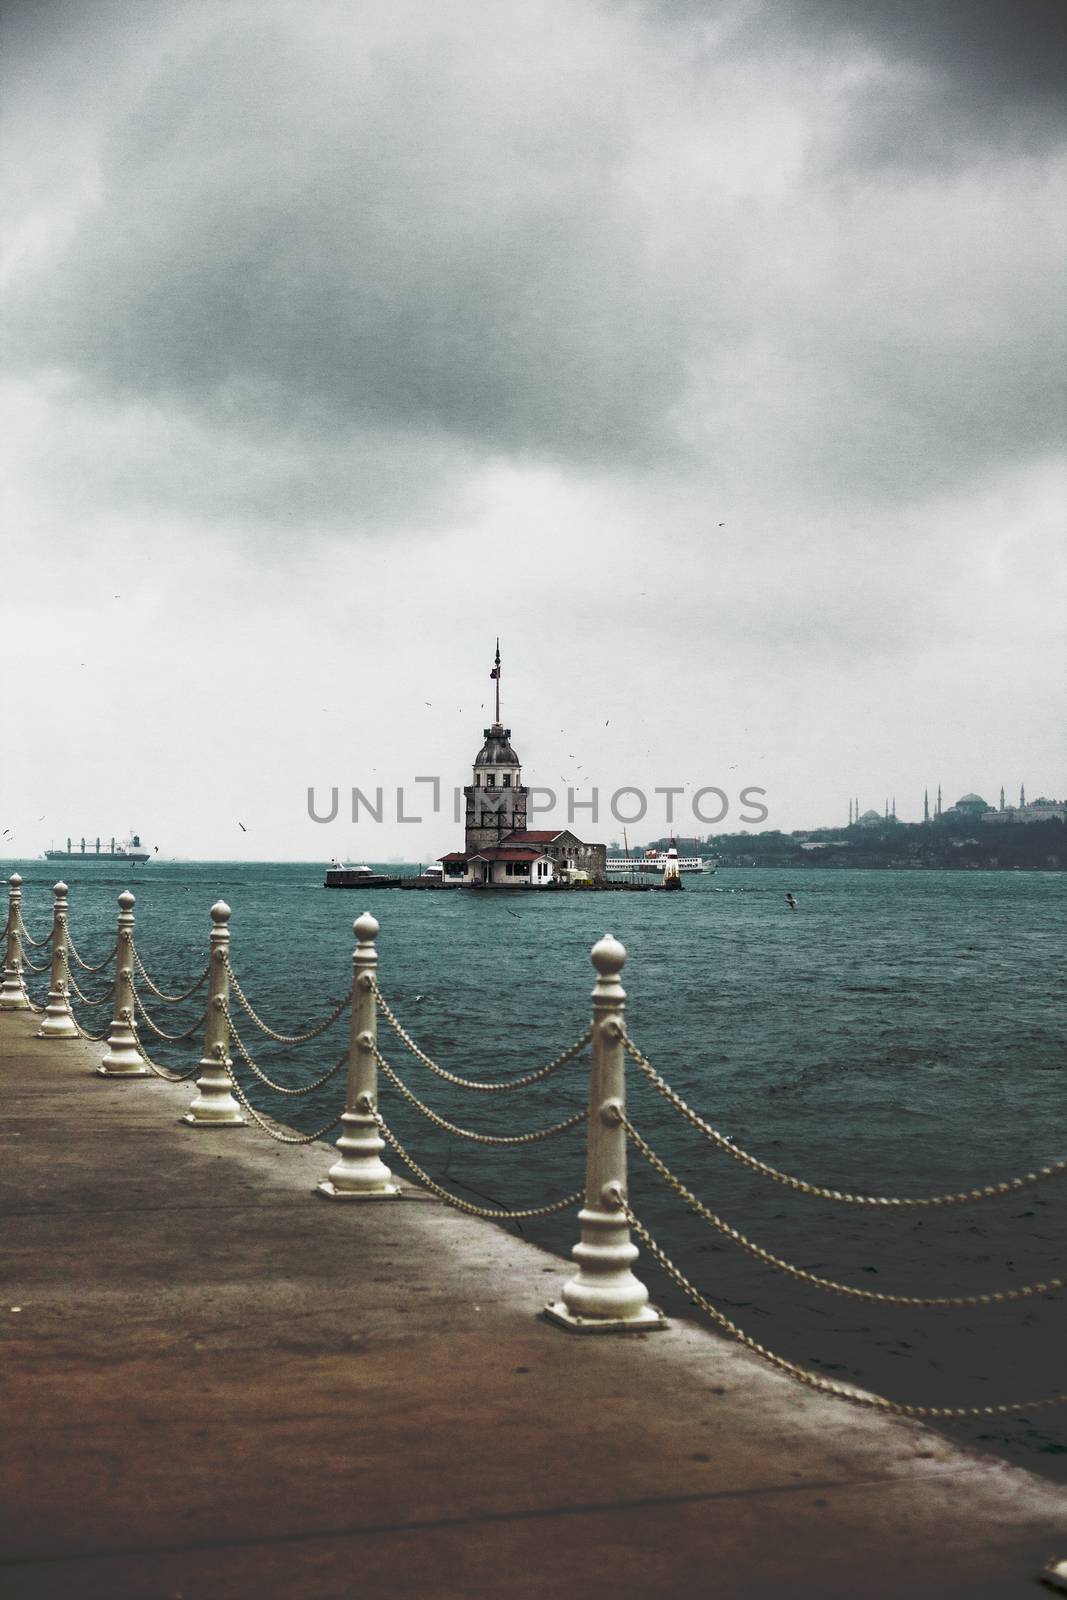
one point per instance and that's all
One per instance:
(454, 855)
(533, 835)
(505, 853)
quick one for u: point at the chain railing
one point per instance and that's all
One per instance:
(281, 1088)
(35, 944)
(284, 1038)
(161, 994)
(533, 1137)
(101, 1000)
(994, 1297)
(84, 965)
(813, 1380)
(153, 1026)
(603, 1294)
(506, 1085)
(991, 1191)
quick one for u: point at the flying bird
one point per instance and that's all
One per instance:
(242, 827)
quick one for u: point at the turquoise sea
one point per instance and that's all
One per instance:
(900, 1033)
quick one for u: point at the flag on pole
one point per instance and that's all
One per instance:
(495, 672)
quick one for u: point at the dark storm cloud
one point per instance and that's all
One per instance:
(330, 257)
(400, 246)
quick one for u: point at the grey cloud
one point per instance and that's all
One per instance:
(398, 248)
(330, 270)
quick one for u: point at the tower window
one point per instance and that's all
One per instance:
(490, 780)
(507, 780)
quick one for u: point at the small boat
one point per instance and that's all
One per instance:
(359, 877)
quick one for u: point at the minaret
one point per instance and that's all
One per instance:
(893, 813)
(937, 813)
(926, 805)
(1022, 795)
(1002, 805)
(496, 798)
(850, 813)
(887, 808)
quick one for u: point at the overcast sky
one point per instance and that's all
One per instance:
(709, 353)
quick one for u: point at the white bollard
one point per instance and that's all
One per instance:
(58, 1019)
(122, 1059)
(360, 1174)
(604, 1296)
(13, 996)
(214, 1105)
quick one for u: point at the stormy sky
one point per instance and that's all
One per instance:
(709, 353)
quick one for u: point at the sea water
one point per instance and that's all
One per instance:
(898, 1033)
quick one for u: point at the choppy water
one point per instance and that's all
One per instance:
(899, 1033)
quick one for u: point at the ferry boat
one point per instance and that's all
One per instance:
(653, 861)
(131, 850)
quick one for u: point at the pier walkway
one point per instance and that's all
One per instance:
(215, 1386)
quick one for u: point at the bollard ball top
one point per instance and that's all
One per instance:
(366, 928)
(59, 888)
(127, 901)
(220, 912)
(14, 880)
(608, 956)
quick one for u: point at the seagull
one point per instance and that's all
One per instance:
(242, 827)
(790, 901)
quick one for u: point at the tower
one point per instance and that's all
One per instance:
(893, 809)
(1002, 805)
(496, 797)
(926, 805)
(937, 812)
(850, 813)
(1022, 795)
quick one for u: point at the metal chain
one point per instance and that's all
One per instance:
(104, 998)
(33, 1003)
(279, 1088)
(161, 1072)
(993, 1298)
(26, 962)
(465, 1133)
(84, 964)
(268, 1125)
(811, 1380)
(285, 1038)
(989, 1192)
(37, 944)
(490, 1214)
(171, 1038)
(94, 1038)
(473, 1083)
(168, 999)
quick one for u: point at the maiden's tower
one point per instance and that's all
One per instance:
(499, 850)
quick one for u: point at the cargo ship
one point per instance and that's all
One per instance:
(131, 851)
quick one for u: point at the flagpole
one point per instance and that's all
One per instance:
(498, 681)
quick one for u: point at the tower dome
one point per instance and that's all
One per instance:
(496, 751)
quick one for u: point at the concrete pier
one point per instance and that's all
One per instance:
(215, 1385)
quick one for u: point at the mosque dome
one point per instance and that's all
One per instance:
(496, 751)
(968, 801)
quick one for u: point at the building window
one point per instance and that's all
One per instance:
(490, 780)
(507, 780)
